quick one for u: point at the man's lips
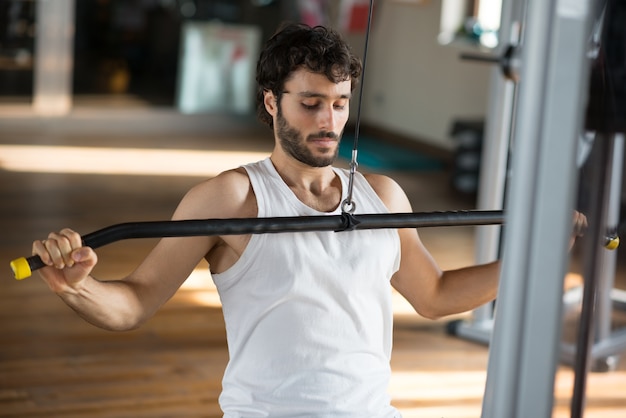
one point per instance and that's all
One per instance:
(324, 140)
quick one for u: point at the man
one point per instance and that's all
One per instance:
(308, 315)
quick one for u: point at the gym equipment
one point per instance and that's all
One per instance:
(22, 267)
(526, 333)
(554, 63)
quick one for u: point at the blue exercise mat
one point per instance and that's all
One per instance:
(378, 155)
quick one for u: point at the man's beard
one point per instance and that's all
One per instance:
(294, 144)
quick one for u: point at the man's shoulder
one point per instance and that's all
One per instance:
(228, 194)
(389, 191)
(380, 182)
(236, 177)
(227, 181)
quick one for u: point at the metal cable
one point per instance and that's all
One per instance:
(348, 205)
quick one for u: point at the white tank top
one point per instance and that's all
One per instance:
(308, 314)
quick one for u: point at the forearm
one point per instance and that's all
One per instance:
(467, 288)
(111, 305)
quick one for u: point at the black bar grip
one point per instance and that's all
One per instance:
(23, 267)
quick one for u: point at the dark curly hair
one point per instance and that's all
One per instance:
(295, 45)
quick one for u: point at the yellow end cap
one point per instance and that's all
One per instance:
(612, 243)
(20, 268)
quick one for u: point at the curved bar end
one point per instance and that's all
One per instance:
(612, 243)
(21, 268)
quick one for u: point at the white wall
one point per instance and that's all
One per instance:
(413, 85)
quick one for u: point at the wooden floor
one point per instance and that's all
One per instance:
(52, 364)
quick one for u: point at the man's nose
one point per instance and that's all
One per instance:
(327, 119)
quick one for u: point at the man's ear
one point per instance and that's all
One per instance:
(269, 100)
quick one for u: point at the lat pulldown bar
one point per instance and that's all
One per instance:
(23, 267)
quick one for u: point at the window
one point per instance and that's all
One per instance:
(474, 22)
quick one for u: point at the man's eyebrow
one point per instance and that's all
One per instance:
(309, 94)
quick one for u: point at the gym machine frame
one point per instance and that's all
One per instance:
(524, 349)
(491, 195)
(520, 380)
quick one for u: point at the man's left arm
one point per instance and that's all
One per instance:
(432, 292)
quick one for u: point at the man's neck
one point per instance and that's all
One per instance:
(317, 187)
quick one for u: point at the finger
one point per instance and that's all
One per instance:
(39, 248)
(75, 241)
(86, 256)
(580, 224)
(73, 236)
(584, 223)
(59, 247)
(54, 253)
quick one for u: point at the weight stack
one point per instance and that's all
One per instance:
(466, 165)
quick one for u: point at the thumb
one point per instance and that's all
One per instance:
(85, 256)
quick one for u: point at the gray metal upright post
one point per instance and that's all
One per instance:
(493, 171)
(526, 340)
(609, 258)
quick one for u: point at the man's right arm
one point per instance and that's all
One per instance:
(127, 303)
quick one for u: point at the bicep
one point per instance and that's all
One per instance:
(165, 269)
(173, 259)
(418, 276)
(169, 263)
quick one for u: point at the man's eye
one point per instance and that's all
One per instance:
(310, 107)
